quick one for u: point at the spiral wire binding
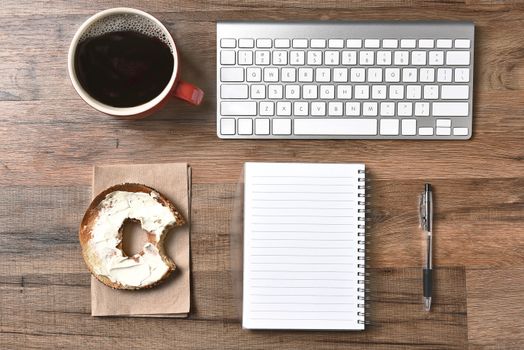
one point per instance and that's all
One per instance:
(362, 281)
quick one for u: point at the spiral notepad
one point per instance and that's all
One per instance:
(304, 239)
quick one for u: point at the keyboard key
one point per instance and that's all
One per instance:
(279, 57)
(238, 108)
(281, 126)
(297, 57)
(340, 75)
(443, 131)
(446, 123)
(318, 43)
(245, 57)
(409, 75)
(444, 43)
(233, 91)
(413, 92)
(288, 75)
(366, 58)
(231, 74)
(427, 75)
(422, 109)
(436, 58)
(387, 109)
(390, 43)
(314, 58)
(262, 126)
(282, 43)
(344, 92)
(245, 126)
(370, 109)
(409, 127)
(309, 91)
(271, 74)
(354, 43)
(462, 43)
(389, 126)
(444, 75)
(418, 58)
(425, 131)
(327, 91)
(408, 43)
(349, 57)
(461, 75)
(331, 58)
(426, 43)
(305, 75)
(300, 43)
(228, 43)
(450, 109)
(335, 109)
(384, 58)
(284, 108)
(264, 43)
(454, 92)
(267, 108)
(392, 75)
(401, 58)
(246, 43)
(318, 108)
(362, 92)
(292, 91)
(353, 108)
(457, 58)
(227, 126)
(430, 92)
(375, 75)
(254, 74)
(342, 126)
(258, 91)
(358, 75)
(405, 109)
(372, 43)
(378, 92)
(227, 57)
(301, 108)
(460, 131)
(262, 57)
(396, 92)
(275, 91)
(323, 75)
(336, 43)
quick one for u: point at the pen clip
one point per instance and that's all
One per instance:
(422, 211)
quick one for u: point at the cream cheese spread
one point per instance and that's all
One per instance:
(144, 268)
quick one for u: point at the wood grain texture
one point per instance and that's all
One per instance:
(50, 140)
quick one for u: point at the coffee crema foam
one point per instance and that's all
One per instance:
(125, 22)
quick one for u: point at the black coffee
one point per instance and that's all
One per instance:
(124, 68)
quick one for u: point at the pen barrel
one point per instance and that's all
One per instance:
(428, 282)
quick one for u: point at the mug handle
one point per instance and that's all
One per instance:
(189, 93)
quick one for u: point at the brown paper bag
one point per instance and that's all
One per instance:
(171, 298)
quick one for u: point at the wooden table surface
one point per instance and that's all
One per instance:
(50, 140)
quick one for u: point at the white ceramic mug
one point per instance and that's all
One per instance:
(175, 87)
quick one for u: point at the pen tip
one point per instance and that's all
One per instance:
(427, 304)
(427, 187)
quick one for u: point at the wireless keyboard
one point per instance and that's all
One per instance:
(345, 80)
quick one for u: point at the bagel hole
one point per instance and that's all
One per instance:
(133, 237)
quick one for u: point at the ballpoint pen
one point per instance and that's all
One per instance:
(426, 222)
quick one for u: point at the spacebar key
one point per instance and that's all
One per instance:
(331, 126)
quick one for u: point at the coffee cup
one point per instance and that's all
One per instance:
(124, 62)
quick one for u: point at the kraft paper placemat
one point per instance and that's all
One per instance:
(172, 297)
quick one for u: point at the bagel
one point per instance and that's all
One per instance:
(101, 236)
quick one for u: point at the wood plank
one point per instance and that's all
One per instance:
(495, 307)
(53, 309)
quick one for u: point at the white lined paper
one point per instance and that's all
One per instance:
(300, 246)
